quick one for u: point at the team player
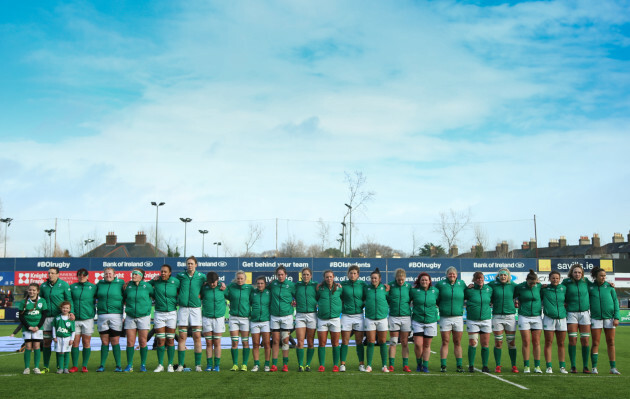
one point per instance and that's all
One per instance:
(83, 295)
(503, 317)
(189, 313)
(259, 322)
(213, 320)
(305, 318)
(604, 314)
(399, 318)
(281, 310)
(554, 320)
(32, 316)
(138, 296)
(478, 320)
(578, 315)
(165, 289)
(238, 293)
(109, 294)
(328, 311)
(451, 306)
(54, 291)
(63, 336)
(425, 314)
(528, 297)
(375, 325)
(352, 316)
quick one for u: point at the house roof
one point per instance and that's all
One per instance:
(124, 250)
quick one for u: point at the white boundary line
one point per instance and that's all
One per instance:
(11, 354)
(504, 380)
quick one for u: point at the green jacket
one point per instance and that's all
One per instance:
(190, 289)
(530, 302)
(54, 294)
(553, 301)
(478, 302)
(329, 303)
(502, 297)
(375, 298)
(259, 305)
(305, 297)
(577, 297)
(425, 309)
(451, 298)
(399, 298)
(165, 293)
(604, 303)
(212, 301)
(352, 296)
(138, 299)
(238, 295)
(281, 298)
(110, 296)
(83, 295)
(63, 328)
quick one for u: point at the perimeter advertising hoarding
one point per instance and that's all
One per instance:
(545, 266)
(340, 267)
(436, 268)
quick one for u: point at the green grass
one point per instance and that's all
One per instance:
(350, 384)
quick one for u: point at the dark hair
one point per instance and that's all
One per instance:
(376, 271)
(82, 272)
(596, 271)
(26, 294)
(477, 274)
(193, 259)
(334, 286)
(417, 282)
(354, 267)
(281, 267)
(167, 266)
(212, 277)
(554, 272)
(531, 275)
(55, 268)
(65, 303)
(261, 278)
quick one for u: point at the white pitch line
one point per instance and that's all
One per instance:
(504, 380)
(11, 354)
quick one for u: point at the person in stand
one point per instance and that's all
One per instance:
(281, 310)
(451, 306)
(189, 312)
(32, 316)
(238, 294)
(328, 311)
(305, 318)
(578, 315)
(54, 290)
(352, 316)
(138, 296)
(424, 320)
(375, 325)
(213, 319)
(399, 318)
(554, 319)
(63, 336)
(165, 290)
(478, 321)
(504, 317)
(528, 300)
(83, 295)
(109, 296)
(604, 315)
(259, 322)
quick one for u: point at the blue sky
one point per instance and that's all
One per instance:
(242, 112)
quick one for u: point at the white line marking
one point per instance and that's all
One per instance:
(11, 354)
(504, 380)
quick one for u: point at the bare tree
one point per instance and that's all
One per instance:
(481, 238)
(253, 235)
(415, 244)
(452, 223)
(314, 251)
(292, 248)
(358, 197)
(324, 234)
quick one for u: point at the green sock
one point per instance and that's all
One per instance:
(594, 357)
(75, 356)
(391, 361)
(181, 357)
(234, 353)
(548, 364)
(442, 362)
(217, 362)
(170, 353)
(384, 349)
(130, 352)
(536, 363)
(472, 352)
(160, 354)
(425, 363)
(266, 363)
(300, 356)
(405, 361)
(572, 353)
(585, 351)
(274, 361)
(143, 356)
(47, 353)
(321, 355)
(104, 354)
(256, 362)
(59, 357)
(27, 358)
(37, 353)
(497, 356)
(512, 352)
(370, 353)
(310, 352)
(485, 355)
(419, 361)
(285, 361)
(197, 358)
(563, 364)
(66, 360)
(209, 362)
(459, 361)
(86, 356)
(526, 363)
(361, 352)
(336, 355)
(246, 355)
(613, 364)
(344, 353)
(117, 353)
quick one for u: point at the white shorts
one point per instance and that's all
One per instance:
(474, 326)
(581, 318)
(238, 323)
(257, 327)
(505, 322)
(351, 322)
(281, 322)
(452, 323)
(550, 324)
(38, 335)
(428, 329)
(606, 323)
(378, 325)
(308, 320)
(84, 327)
(109, 321)
(47, 327)
(530, 323)
(215, 325)
(400, 323)
(188, 317)
(63, 345)
(165, 319)
(332, 325)
(138, 323)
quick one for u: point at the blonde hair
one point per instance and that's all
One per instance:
(504, 269)
(401, 273)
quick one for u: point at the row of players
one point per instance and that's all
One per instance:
(196, 303)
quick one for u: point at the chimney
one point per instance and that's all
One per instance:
(618, 238)
(596, 241)
(433, 251)
(525, 246)
(453, 252)
(628, 236)
(562, 242)
(553, 243)
(110, 239)
(584, 240)
(504, 248)
(141, 238)
(532, 243)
